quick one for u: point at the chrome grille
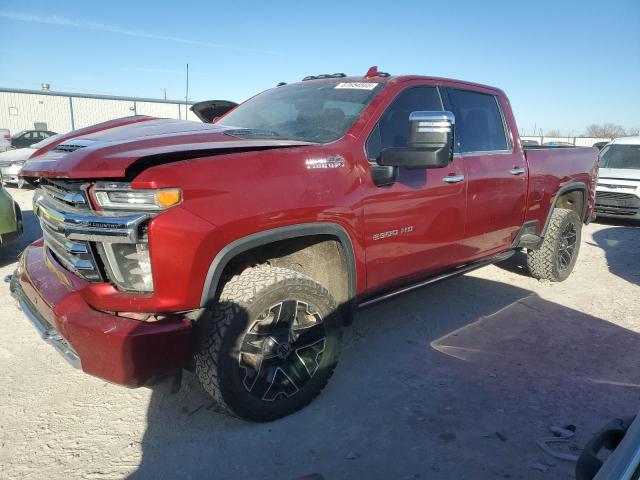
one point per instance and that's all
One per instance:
(74, 233)
(75, 255)
(68, 193)
(617, 203)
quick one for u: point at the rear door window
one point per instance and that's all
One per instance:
(480, 126)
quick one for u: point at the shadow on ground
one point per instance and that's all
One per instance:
(621, 244)
(458, 380)
(517, 263)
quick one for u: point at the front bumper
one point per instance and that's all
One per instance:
(616, 204)
(47, 332)
(10, 173)
(114, 348)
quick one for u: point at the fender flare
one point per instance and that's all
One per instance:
(265, 237)
(580, 186)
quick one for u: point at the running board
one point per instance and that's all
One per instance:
(453, 273)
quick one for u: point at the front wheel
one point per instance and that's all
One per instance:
(556, 257)
(270, 344)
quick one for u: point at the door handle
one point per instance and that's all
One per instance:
(517, 171)
(453, 178)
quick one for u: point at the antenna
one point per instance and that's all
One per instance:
(186, 97)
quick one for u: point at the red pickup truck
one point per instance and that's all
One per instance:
(239, 249)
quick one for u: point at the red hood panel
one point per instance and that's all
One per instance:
(107, 153)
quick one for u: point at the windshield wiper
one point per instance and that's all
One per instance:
(253, 133)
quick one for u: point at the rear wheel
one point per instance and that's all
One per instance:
(557, 255)
(270, 344)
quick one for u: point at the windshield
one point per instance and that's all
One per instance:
(621, 156)
(311, 111)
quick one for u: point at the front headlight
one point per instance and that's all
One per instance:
(129, 265)
(120, 196)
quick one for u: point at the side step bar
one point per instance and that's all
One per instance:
(453, 273)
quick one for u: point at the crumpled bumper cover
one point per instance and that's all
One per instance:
(117, 349)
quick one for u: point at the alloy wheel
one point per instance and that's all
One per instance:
(282, 350)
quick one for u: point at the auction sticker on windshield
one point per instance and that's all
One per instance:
(357, 85)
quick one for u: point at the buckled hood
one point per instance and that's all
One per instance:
(112, 151)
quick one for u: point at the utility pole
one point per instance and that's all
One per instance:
(164, 91)
(186, 97)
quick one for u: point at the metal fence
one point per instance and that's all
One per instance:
(577, 141)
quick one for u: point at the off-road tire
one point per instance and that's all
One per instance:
(220, 338)
(544, 263)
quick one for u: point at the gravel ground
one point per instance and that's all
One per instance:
(457, 380)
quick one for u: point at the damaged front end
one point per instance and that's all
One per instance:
(81, 247)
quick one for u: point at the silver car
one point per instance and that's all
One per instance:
(618, 190)
(12, 161)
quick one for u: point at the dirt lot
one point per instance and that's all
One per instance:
(457, 380)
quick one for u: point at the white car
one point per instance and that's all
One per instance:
(618, 190)
(5, 139)
(12, 161)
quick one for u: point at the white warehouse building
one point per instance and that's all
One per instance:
(62, 112)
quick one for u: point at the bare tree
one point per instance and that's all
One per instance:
(606, 130)
(554, 132)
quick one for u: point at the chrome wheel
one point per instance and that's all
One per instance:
(282, 350)
(567, 247)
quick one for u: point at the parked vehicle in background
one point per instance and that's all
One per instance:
(26, 138)
(12, 161)
(240, 249)
(529, 143)
(558, 144)
(621, 439)
(600, 145)
(10, 218)
(618, 190)
(210, 110)
(5, 139)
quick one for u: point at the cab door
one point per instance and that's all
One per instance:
(413, 227)
(496, 172)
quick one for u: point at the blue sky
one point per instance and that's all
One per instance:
(564, 64)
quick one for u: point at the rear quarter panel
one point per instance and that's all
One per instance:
(551, 169)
